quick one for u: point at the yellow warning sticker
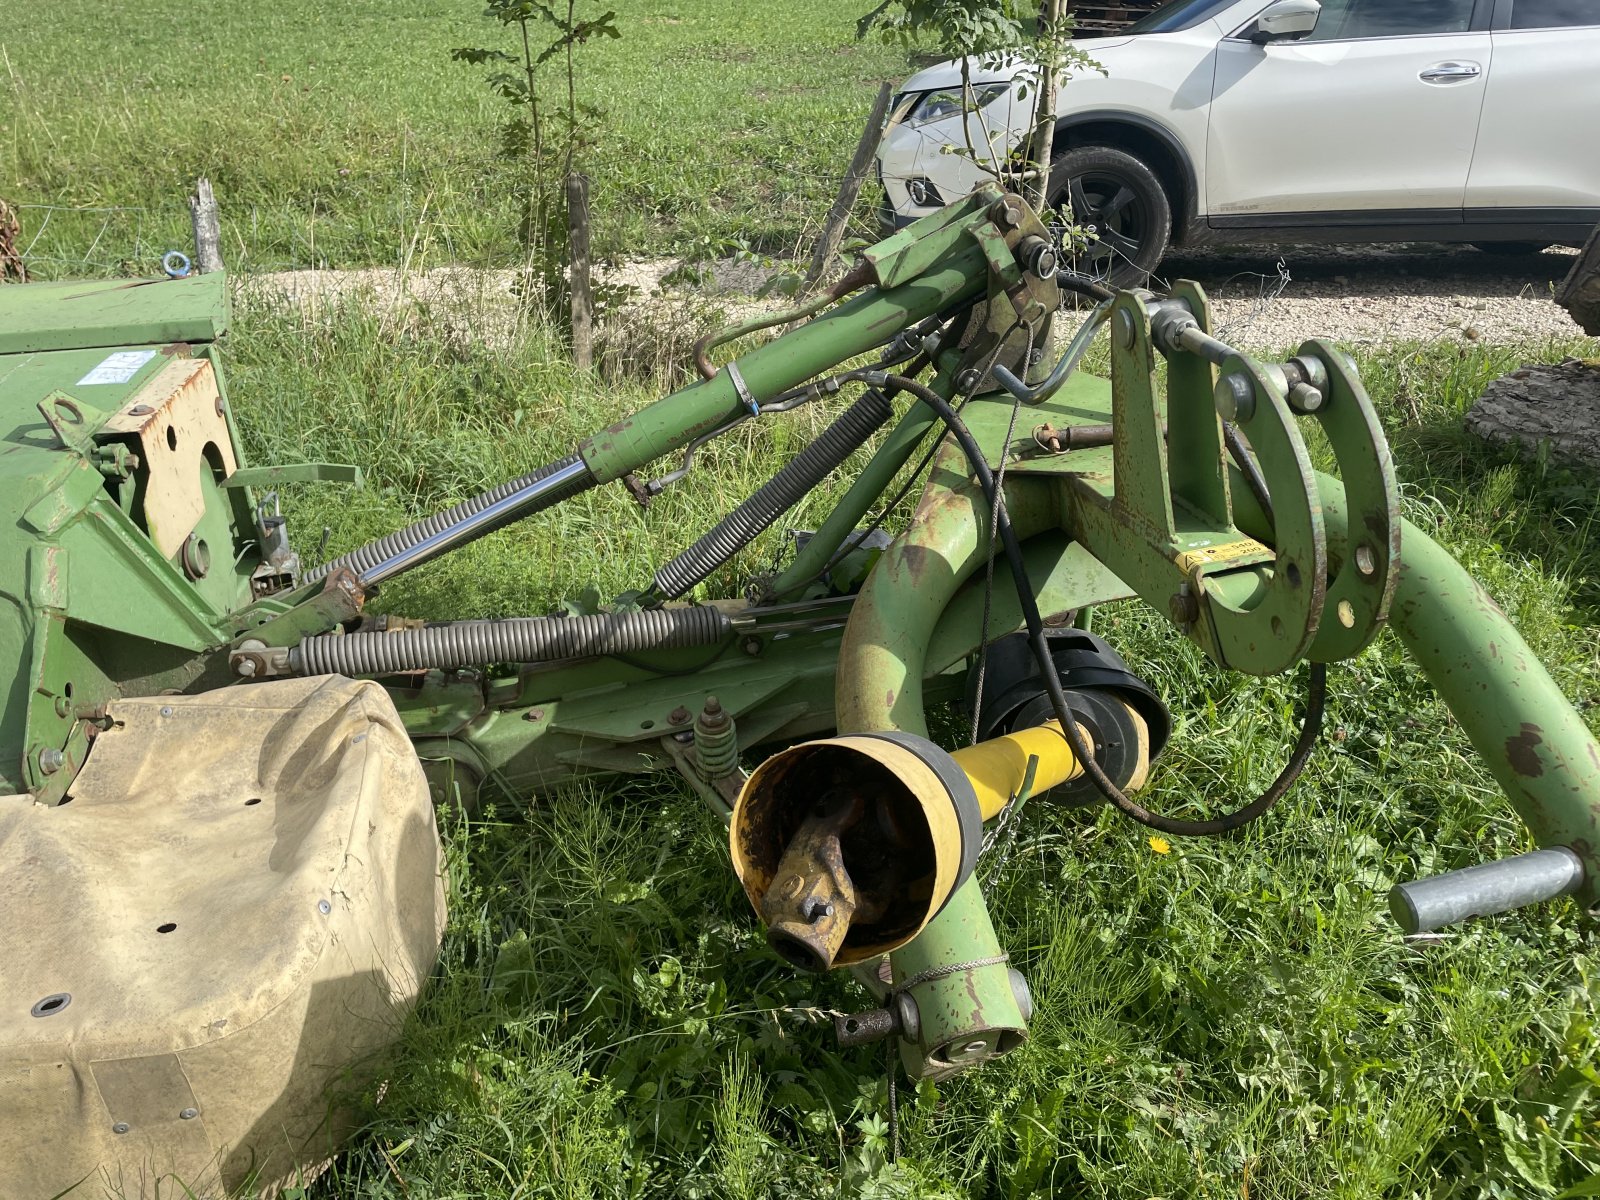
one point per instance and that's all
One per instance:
(1191, 562)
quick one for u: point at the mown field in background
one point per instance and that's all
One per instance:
(342, 134)
(1234, 1019)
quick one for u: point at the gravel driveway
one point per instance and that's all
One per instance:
(1372, 294)
(1353, 294)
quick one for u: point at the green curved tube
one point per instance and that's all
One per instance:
(1528, 734)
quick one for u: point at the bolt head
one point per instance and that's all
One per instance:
(51, 760)
(1304, 398)
(967, 381)
(678, 716)
(1007, 213)
(120, 1127)
(189, 1114)
(166, 710)
(1126, 333)
(1235, 398)
(247, 667)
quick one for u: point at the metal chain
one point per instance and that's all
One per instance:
(921, 977)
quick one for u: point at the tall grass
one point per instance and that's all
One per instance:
(340, 134)
(1235, 1018)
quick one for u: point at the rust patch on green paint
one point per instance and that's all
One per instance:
(1522, 751)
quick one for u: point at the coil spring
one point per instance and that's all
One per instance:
(518, 640)
(774, 498)
(364, 558)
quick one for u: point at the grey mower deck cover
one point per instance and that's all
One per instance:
(208, 944)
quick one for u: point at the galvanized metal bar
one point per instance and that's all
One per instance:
(525, 500)
(1481, 891)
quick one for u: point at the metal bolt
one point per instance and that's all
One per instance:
(166, 710)
(1020, 990)
(678, 716)
(1304, 398)
(968, 380)
(51, 760)
(816, 910)
(120, 1127)
(324, 907)
(1235, 398)
(1185, 609)
(751, 646)
(140, 410)
(247, 667)
(189, 1114)
(533, 714)
(1126, 332)
(1007, 213)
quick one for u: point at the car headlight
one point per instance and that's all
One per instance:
(947, 102)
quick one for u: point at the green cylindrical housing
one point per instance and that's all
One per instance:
(842, 333)
(968, 1010)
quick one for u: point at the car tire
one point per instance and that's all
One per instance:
(1121, 198)
(1512, 249)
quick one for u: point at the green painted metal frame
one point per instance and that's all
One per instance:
(90, 611)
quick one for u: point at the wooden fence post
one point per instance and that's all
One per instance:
(839, 215)
(582, 298)
(207, 228)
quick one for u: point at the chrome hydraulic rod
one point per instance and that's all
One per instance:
(565, 480)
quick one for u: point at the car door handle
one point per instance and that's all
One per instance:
(1450, 72)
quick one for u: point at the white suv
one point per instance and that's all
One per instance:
(1246, 121)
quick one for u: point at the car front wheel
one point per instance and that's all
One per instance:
(1121, 208)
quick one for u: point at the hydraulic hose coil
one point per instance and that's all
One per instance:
(773, 498)
(364, 558)
(516, 640)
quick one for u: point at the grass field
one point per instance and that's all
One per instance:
(1232, 1020)
(342, 134)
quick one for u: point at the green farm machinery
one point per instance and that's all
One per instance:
(220, 875)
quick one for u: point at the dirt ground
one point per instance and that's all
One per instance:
(1263, 299)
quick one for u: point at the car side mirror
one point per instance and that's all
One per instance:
(1285, 21)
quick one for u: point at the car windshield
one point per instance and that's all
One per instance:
(1177, 14)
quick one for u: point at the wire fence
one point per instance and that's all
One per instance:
(60, 241)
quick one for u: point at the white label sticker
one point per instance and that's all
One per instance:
(119, 367)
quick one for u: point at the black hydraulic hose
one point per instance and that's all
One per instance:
(1316, 693)
(772, 499)
(1083, 285)
(364, 558)
(1248, 467)
(516, 640)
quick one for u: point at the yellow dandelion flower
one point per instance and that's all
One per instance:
(1160, 845)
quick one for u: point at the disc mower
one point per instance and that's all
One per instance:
(220, 875)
